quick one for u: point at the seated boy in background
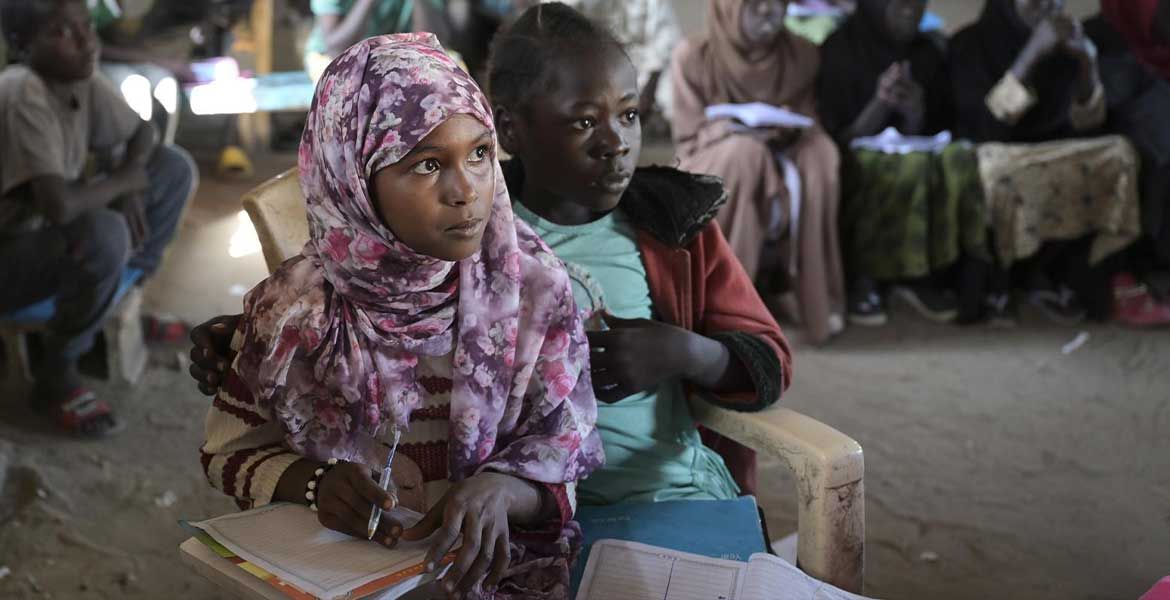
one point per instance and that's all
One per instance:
(64, 234)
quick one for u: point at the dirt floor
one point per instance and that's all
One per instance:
(998, 467)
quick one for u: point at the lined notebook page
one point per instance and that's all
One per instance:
(288, 541)
(773, 578)
(619, 570)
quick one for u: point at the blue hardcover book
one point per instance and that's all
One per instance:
(727, 529)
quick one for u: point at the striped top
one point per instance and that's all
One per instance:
(244, 453)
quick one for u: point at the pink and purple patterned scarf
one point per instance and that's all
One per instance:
(332, 338)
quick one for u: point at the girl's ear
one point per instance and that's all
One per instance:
(506, 129)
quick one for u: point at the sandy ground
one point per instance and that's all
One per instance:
(998, 467)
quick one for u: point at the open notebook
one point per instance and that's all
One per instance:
(285, 546)
(632, 571)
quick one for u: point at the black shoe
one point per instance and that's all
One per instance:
(1060, 306)
(1001, 311)
(933, 304)
(867, 310)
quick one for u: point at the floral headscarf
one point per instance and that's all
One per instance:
(331, 340)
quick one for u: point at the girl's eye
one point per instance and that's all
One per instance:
(583, 124)
(480, 154)
(631, 115)
(426, 167)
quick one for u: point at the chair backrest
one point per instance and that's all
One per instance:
(277, 210)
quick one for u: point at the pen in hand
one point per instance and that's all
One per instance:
(384, 484)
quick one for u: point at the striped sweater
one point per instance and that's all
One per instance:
(244, 454)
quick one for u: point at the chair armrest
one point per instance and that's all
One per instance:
(828, 467)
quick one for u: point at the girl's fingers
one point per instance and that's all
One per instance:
(458, 578)
(369, 491)
(389, 531)
(428, 524)
(500, 562)
(338, 516)
(446, 537)
(484, 559)
(345, 494)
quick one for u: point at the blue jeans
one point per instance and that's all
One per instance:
(81, 262)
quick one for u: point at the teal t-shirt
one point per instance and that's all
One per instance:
(389, 16)
(652, 449)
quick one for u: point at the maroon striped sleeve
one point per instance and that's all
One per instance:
(247, 491)
(235, 387)
(232, 468)
(249, 417)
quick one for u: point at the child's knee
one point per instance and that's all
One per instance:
(100, 242)
(173, 168)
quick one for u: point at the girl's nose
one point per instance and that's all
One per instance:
(612, 144)
(461, 191)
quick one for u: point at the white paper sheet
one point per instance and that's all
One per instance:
(759, 114)
(891, 141)
(772, 578)
(632, 571)
(288, 541)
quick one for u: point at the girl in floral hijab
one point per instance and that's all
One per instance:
(420, 307)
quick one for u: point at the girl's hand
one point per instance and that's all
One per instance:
(477, 511)
(345, 499)
(636, 355)
(211, 352)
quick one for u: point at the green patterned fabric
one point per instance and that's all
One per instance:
(905, 216)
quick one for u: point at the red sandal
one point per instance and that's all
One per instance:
(165, 330)
(83, 415)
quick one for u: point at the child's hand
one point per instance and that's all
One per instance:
(636, 355)
(898, 90)
(211, 352)
(133, 208)
(347, 496)
(476, 510)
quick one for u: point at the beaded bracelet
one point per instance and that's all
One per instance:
(315, 482)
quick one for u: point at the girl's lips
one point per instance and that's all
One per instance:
(468, 228)
(614, 183)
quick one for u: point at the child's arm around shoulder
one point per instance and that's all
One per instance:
(734, 314)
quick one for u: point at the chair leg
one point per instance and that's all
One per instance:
(126, 352)
(16, 362)
(832, 533)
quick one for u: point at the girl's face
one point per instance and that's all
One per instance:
(438, 198)
(902, 18)
(1032, 12)
(580, 140)
(762, 21)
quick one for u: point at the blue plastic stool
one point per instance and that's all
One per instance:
(14, 325)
